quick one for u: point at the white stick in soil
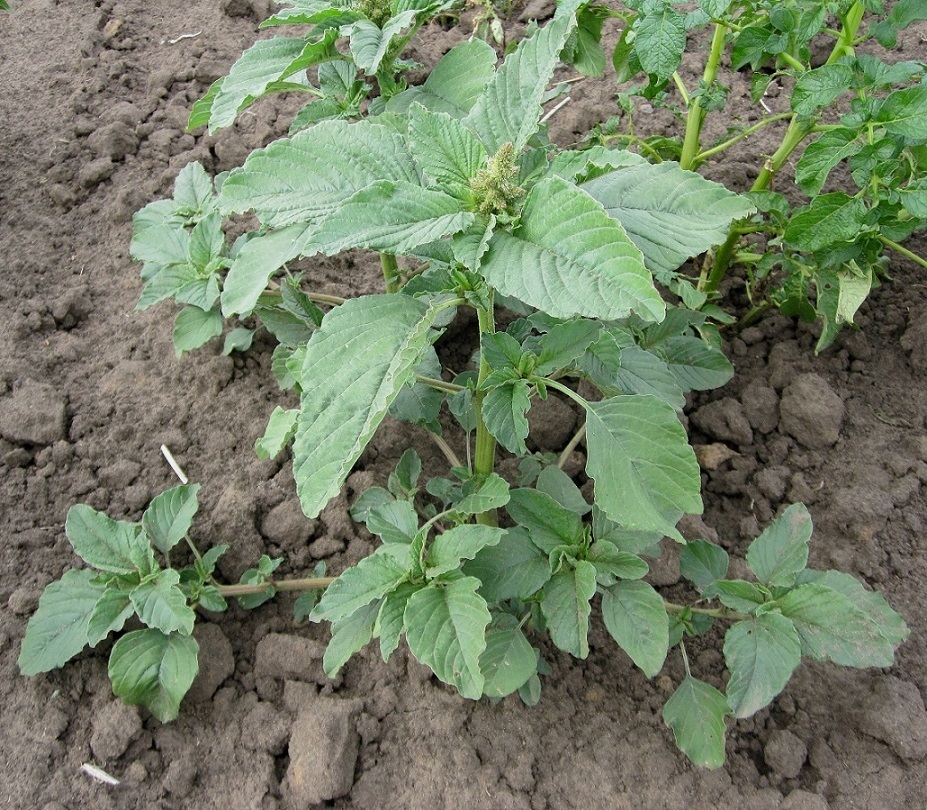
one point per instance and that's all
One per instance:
(174, 465)
(99, 774)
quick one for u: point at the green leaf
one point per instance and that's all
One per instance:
(781, 551)
(153, 670)
(447, 151)
(109, 614)
(169, 516)
(508, 109)
(59, 629)
(281, 427)
(737, 594)
(391, 217)
(914, 198)
(370, 43)
(161, 605)
(390, 622)
(696, 713)
(304, 178)
(587, 54)
(696, 365)
(492, 493)
(549, 524)
(355, 366)
(828, 219)
(641, 372)
(832, 628)
(457, 544)
(819, 87)
(646, 475)
(635, 617)
(195, 327)
(555, 482)
(104, 543)
(514, 569)
(660, 41)
(167, 282)
(670, 214)
(564, 343)
(714, 8)
(446, 630)
(611, 564)
(238, 340)
(393, 522)
(566, 608)
(579, 166)
(371, 579)
(505, 411)
(348, 636)
(821, 155)
(702, 563)
(903, 13)
(761, 655)
(567, 257)
(509, 660)
(904, 113)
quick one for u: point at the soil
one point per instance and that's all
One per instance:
(94, 99)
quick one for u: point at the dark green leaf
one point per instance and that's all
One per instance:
(660, 41)
(904, 113)
(169, 516)
(161, 605)
(106, 544)
(702, 563)
(549, 524)
(821, 156)
(566, 608)
(829, 218)
(555, 482)
(492, 493)
(369, 580)
(514, 569)
(505, 414)
(509, 660)
(819, 87)
(635, 617)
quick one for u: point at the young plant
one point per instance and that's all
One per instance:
(818, 260)
(458, 178)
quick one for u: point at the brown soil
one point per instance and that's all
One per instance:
(94, 98)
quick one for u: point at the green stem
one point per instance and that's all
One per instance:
(321, 298)
(791, 61)
(280, 585)
(697, 111)
(440, 385)
(701, 156)
(571, 446)
(681, 87)
(484, 459)
(391, 273)
(753, 315)
(715, 613)
(903, 251)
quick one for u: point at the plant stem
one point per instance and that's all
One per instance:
(715, 613)
(280, 585)
(701, 156)
(321, 298)
(571, 446)
(390, 272)
(446, 449)
(484, 460)
(697, 111)
(440, 385)
(903, 251)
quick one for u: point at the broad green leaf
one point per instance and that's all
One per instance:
(660, 41)
(393, 522)
(635, 617)
(455, 83)
(737, 594)
(202, 108)
(586, 53)
(703, 563)
(819, 87)
(418, 403)
(348, 636)
(195, 327)
(160, 243)
(505, 411)
(446, 630)
(469, 246)
(549, 524)
(914, 198)
(371, 579)
(446, 150)
(578, 166)
(530, 693)
(508, 109)
(781, 551)
(457, 544)
(104, 543)
(696, 365)
(281, 427)
(821, 155)
(392, 217)
(59, 629)
(696, 713)
(161, 605)
(555, 482)
(369, 43)
(403, 481)
(646, 475)
(493, 493)
(641, 372)
(514, 569)
(629, 540)
(169, 516)
(355, 366)
(565, 605)
(509, 660)
(828, 219)
(166, 282)
(670, 214)
(501, 350)
(903, 13)
(238, 340)
(761, 654)
(904, 113)
(153, 670)
(612, 564)
(567, 257)
(109, 614)
(833, 628)
(564, 343)
(714, 8)
(304, 178)
(390, 622)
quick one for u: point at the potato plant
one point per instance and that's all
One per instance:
(455, 184)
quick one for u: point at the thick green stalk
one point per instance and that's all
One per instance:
(484, 458)
(391, 273)
(690, 147)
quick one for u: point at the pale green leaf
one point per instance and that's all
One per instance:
(514, 569)
(446, 150)
(646, 475)
(761, 654)
(195, 327)
(281, 427)
(566, 608)
(419, 403)
(369, 43)
(166, 282)
(781, 551)
(612, 564)
(492, 493)
(641, 372)
(696, 365)
(564, 343)
(161, 605)
(446, 630)
(660, 41)
(371, 579)
(509, 660)
(102, 542)
(580, 166)
(634, 615)
(348, 636)
(568, 257)
(390, 623)
(555, 482)
(737, 594)
(355, 366)
(914, 198)
(59, 629)
(169, 516)
(460, 543)
(696, 713)
(703, 563)
(670, 214)
(505, 411)
(153, 670)
(393, 522)
(903, 13)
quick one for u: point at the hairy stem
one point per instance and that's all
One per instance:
(484, 460)
(281, 585)
(697, 111)
(390, 272)
(571, 446)
(715, 613)
(903, 251)
(714, 150)
(440, 385)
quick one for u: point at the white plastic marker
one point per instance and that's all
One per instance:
(99, 774)
(174, 465)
